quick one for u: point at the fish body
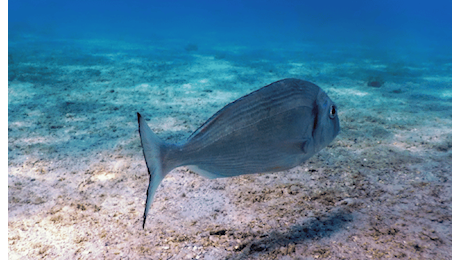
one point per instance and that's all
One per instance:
(274, 128)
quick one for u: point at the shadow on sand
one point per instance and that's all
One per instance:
(312, 229)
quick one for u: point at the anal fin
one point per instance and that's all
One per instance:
(204, 173)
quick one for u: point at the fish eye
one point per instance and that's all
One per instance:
(332, 112)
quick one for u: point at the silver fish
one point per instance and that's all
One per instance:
(274, 128)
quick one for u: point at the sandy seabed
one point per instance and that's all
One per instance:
(77, 179)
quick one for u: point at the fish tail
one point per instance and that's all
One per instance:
(154, 150)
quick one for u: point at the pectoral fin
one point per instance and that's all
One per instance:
(307, 146)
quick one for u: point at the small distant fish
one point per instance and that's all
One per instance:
(274, 128)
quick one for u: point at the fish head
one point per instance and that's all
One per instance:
(326, 124)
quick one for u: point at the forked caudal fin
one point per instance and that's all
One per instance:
(154, 150)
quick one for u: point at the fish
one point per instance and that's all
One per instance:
(272, 129)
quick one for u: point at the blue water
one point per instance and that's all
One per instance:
(392, 33)
(391, 26)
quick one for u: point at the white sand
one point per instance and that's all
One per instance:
(77, 178)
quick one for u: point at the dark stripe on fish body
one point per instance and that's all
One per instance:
(246, 109)
(273, 142)
(265, 102)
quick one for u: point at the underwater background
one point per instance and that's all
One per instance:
(78, 71)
